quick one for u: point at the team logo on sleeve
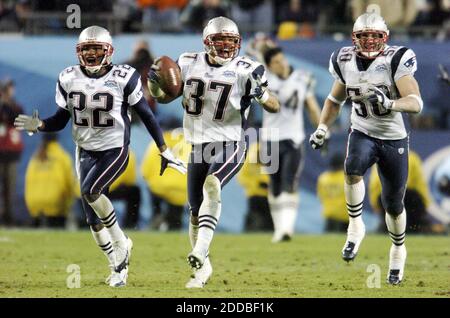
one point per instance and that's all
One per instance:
(410, 63)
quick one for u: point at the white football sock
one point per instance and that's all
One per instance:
(354, 195)
(105, 211)
(104, 243)
(289, 210)
(397, 258)
(276, 212)
(396, 226)
(209, 214)
(193, 233)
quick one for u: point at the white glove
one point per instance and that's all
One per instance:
(376, 95)
(168, 159)
(318, 138)
(28, 123)
(259, 92)
(154, 79)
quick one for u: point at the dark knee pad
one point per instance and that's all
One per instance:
(394, 209)
(91, 217)
(393, 202)
(354, 166)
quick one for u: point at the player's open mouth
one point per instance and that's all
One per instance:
(371, 46)
(91, 59)
(225, 53)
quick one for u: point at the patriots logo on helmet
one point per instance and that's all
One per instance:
(410, 63)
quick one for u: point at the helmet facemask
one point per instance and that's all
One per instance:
(369, 43)
(222, 47)
(93, 55)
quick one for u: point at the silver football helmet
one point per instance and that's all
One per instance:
(95, 36)
(222, 40)
(370, 34)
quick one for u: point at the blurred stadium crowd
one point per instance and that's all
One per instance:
(287, 18)
(282, 20)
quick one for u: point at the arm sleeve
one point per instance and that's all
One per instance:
(403, 63)
(133, 90)
(149, 120)
(61, 95)
(334, 67)
(56, 122)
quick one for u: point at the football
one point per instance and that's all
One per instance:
(170, 76)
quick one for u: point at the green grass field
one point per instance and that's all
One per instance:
(34, 263)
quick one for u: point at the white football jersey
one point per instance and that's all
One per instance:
(292, 93)
(99, 107)
(394, 63)
(216, 99)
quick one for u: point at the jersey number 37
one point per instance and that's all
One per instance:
(195, 102)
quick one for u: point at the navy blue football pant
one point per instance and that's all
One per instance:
(286, 178)
(98, 170)
(221, 159)
(391, 157)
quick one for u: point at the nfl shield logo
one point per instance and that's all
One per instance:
(401, 150)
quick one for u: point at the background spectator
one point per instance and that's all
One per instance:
(169, 193)
(161, 15)
(330, 191)
(10, 150)
(200, 12)
(256, 187)
(128, 12)
(253, 15)
(50, 184)
(297, 18)
(396, 13)
(142, 60)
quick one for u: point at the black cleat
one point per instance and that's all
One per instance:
(348, 254)
(122, 265)
(286, 238)
(194, 261)
(394, 277)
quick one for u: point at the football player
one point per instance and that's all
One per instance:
(96, 96)
(219, 86)
(295, 90)
(379, 80)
